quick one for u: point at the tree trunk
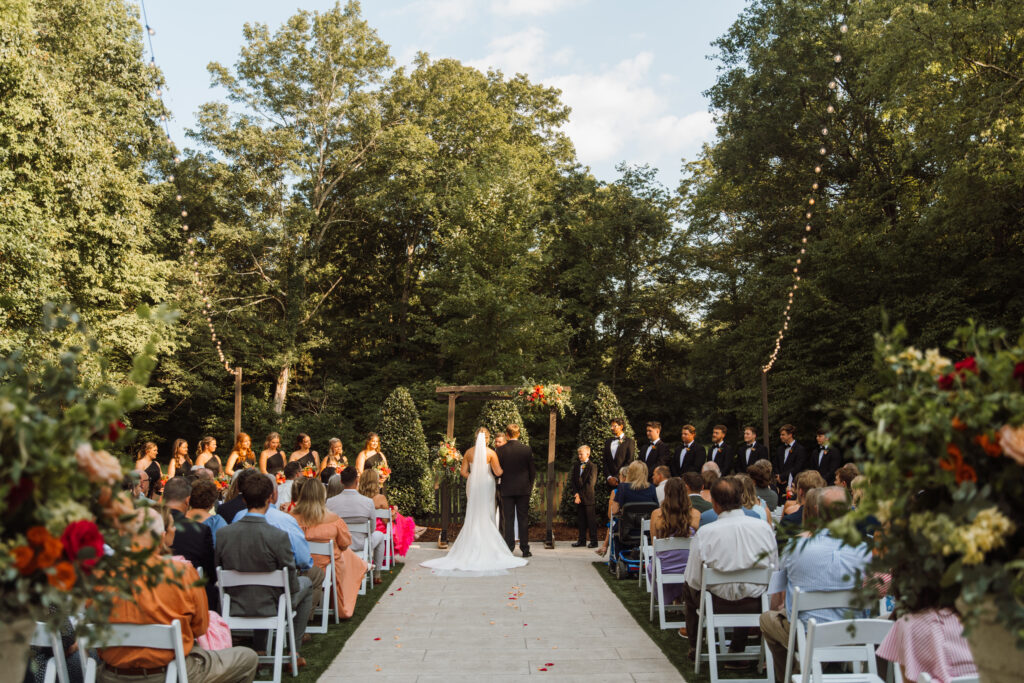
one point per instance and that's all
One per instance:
(281, 390)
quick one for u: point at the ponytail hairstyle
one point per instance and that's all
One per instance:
(206, 441)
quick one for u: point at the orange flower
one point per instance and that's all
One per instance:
(958, 424)
(50, 552)
(37, 536)
(24, 559)
(988, 445)
(965, 473)
(63, 576)
(955, 460)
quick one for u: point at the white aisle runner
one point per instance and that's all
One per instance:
(554, 618)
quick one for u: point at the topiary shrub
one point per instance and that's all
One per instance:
(410, 486)
(594, 429)
(497, 415)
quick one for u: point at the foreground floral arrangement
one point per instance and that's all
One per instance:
(944, 454)
(537, 396)
(60, 489)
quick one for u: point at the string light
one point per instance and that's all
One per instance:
(833, 87)
(204, 296)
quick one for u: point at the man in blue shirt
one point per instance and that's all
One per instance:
(816, 562)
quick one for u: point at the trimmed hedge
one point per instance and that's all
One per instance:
(402, 440)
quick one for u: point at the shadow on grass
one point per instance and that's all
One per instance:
(325, 647)
(637, 602)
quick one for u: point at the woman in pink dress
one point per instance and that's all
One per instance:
(321, 525)
(404, 528)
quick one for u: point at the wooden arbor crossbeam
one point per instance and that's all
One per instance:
(495, 392)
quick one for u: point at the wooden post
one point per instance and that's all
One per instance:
(549, 540)
(446, 493)
(238, 401)
(764, 410)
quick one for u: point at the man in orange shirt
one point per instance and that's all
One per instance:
(176, 597)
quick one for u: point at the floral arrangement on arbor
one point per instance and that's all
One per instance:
(447, 462)
(533, 396)
(944, 454)
(61, 500)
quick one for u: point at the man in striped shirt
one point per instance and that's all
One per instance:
(819, 562)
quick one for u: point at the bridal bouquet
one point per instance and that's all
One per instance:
(944, 455)
(537, 396)
(447, 462)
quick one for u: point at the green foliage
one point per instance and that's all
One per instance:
(497, 415)
(410, 486)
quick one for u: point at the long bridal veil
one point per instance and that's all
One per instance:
(479, 549)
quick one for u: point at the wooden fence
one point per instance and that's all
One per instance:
(458, 500)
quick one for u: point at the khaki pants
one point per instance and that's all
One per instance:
(234, 665)
(775, 627)
(691, 598)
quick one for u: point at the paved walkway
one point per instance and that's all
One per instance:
(554, 618)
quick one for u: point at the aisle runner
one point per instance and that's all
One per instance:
(554, 618)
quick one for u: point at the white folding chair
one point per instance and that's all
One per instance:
(645, 553)
(158, 636)
(925, 677)
(326, 549)
(848, 640)
(710, 622)
(389, 539)
(279, 626)
(804, 601)
(355, 523)
(56, 665)
(661, 579)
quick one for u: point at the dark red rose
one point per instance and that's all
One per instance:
(946, 382)
(20, 492)
(1018, 373)
(969, 364)
(78, 537)
(115, 431)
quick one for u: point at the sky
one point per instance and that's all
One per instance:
(632, 72)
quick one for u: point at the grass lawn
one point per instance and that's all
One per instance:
(325, 647)
(637, 602)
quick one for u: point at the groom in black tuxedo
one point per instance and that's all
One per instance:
(517, 476)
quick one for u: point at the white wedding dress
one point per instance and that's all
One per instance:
(479, 549)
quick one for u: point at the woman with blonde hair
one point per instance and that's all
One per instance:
(145, 460)
(332, 463)
(370, 457)
(242, 455)
(321, 525)
(603, 550)
(635, 488)
(206, 456)
(403, 528)
(272, 458)
(181, 463)
(749, 499)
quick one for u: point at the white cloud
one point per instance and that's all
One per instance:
(531, 7)
(519, 52)
(440, 14)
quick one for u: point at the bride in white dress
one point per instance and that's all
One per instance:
(479, 549)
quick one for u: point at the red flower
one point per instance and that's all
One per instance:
(969, 364)
(79, 538)
(1018, 373)
(116, 429)
(21, 492)
(24, 559)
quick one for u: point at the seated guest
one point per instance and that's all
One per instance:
(403, 528)
(732, 543)
(284, 489)
(661, 475)
(845, 475)
(761, 472)
(804, 482)
(192, 540)
(694, 485)
(857, 486)
(176, 597)
(321, 525)
(710, 473)
(821, 563)
(750, 499)
(634, 488)
(611, 499)
(233, 500)
(709, 516)
(676, 518)
(200, 504)
(334, 486)
(252, 544)
(136, 482)
(354, 507)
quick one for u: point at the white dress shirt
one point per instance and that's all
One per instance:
(733, 542)
(660, 491)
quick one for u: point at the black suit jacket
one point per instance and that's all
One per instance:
(757, 452)
(826, 464)
(584, 485)
(517, 469)
(624, 454)
(252, 545)
(724, 459)
(794, 465)
(659, 455)
(691, 462)
(194, 541)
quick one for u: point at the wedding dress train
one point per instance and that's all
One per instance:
(479, 549)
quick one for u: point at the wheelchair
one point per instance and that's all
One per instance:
(624, 554)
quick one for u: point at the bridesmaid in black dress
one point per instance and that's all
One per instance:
(370, 456)
(146, 461)
(304, 453)
(242, 456)
(207, 457)
(181, 463)
(333, 461)
(272, 458)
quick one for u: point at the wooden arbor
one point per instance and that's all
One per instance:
(494, 392)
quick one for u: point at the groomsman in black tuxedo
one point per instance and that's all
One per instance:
(826, 458)
(790, 459)
(750, 450)
(691, 456)
(584, 476)
(656, 451)
(619, 451)
(721, 453)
